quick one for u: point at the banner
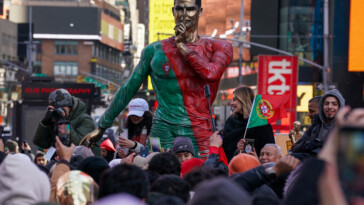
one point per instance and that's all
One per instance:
(277, 75)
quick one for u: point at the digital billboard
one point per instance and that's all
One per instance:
(356, 40)
(161, 21)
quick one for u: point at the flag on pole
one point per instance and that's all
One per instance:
(267, 109)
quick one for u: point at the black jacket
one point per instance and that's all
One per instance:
(234, 131)
(316, 135)
(307, 143)
(81, 124)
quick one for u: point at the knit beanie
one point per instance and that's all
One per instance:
(83, 151)
(94, 166)
(242, 163)
(190, 165)
(182, 144)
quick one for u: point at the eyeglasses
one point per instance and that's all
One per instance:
(181, 9)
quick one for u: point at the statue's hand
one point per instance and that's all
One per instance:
(91, 138)
(180, 30)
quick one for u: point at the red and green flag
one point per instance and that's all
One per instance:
(267, 109)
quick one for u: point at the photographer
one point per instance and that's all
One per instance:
(64, 108)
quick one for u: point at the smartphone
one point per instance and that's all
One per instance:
(249, 145)
(155, 144)
(144, 152)
(64, 132)
(350, 158)
(124, 134)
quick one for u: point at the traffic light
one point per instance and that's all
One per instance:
(80, 79)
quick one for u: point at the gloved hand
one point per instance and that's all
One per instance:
(47, 120)
(91, 138)
(314, 144)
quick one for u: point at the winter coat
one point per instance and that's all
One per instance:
(80, 122)
(234, 131)
(315, 136)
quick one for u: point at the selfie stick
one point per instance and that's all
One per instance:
(207, 95)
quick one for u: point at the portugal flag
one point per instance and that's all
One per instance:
(267, 109)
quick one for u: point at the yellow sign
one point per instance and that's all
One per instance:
(356, 40)
(150, 85)
(161, 21)
(304, 94)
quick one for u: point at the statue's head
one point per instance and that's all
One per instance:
(187, 11)
(297, 125)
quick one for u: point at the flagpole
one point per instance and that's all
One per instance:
(251, 111)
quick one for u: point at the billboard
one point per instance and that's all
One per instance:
(277, 75)
(161, 21)
(356, 40)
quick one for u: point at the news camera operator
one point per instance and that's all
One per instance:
(64, 108)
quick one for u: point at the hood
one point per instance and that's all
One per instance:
(78, 108)
(335, 93)
(18, 186)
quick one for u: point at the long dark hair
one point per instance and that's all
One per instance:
(136, 129)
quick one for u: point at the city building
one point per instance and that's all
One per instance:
(74, 38)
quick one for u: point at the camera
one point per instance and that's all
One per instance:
(58, 114)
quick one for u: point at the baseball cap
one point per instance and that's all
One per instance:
(137, 107)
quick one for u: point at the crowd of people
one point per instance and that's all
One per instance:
(121, 174)
(174, 156)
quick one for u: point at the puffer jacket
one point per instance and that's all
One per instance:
(80, 122)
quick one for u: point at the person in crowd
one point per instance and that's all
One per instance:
(323, 186)
(75, 187)
(169, 184)
(39, 159)
(120, 199)
(94, 166)
(139, 125)
(242, 162)
(313, 107)
(165, 163)
(180, 67)
(182, 147)
(220, 191)
(11, 147)
(316, 135)
(236, 125)
(63, 106)
(107, 150)
(124, 178)
(253, 179)
(270, 153)
(21, 182)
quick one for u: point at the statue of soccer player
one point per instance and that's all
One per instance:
(179, 67)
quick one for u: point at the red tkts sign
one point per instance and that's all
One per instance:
(277, 75)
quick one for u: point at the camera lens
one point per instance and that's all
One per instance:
(57, 114)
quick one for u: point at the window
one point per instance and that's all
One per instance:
(65, 69)
(65, 47)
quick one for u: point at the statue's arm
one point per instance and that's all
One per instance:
(212, 69)
(128, 90)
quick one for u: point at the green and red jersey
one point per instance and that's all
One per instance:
(179, 83)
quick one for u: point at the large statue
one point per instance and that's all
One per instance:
(179, 67)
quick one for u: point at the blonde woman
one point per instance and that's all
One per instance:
(235, 125)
